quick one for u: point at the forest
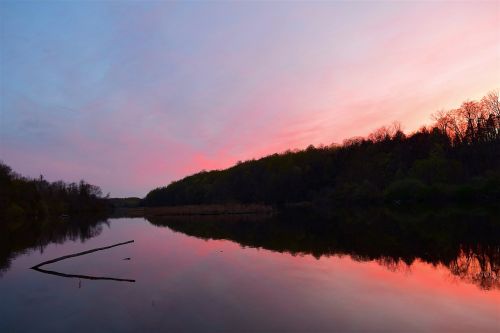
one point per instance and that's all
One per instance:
(25, 200)
(456, 159)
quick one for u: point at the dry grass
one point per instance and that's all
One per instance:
(200, 210)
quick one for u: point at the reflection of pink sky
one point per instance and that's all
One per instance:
(190, 274)
(435, 299)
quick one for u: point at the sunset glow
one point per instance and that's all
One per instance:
(133, 95)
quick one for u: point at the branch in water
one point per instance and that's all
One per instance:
(88, 277)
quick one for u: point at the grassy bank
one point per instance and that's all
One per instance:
(195, 210)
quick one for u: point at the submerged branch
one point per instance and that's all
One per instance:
(37, 267)
(78, 254)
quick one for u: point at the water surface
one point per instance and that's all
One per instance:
(203, 275)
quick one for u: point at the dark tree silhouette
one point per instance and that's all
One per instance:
(24, 200)
(456, 159)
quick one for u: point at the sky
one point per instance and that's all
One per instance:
(132, 95)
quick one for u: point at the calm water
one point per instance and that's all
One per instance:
(190, 282)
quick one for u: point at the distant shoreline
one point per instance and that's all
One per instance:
(193, 210)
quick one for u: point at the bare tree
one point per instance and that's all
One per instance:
(491, 103)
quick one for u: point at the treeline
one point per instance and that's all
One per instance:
(455, 159)
(24, 199)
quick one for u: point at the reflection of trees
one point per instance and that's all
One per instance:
(465, 241)
(38, 236)
(480, 266)
(394, 265)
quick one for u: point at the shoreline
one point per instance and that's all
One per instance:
(194, 210)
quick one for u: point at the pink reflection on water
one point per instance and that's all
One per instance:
(191, 284)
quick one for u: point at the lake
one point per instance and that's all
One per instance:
(252, 274)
